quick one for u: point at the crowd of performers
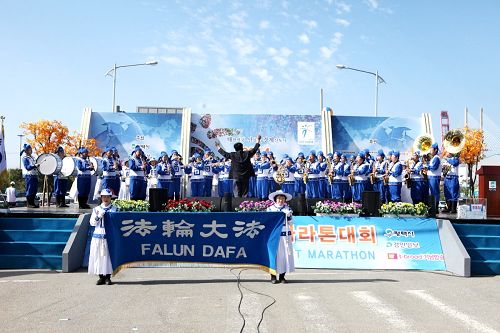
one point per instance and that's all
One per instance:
(336, 176)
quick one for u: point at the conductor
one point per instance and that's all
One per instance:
(241, 166)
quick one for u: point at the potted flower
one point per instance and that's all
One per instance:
(403, 209)
(131, 205)
(254, 206)
(329, 207)
(188, 205)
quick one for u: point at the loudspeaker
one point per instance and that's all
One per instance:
(157, 198)
(371, 203)
(301, 205)
(432, 206)
(227, 202)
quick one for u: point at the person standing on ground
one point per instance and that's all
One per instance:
(241, 165)
(10, 194)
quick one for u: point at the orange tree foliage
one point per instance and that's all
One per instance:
(45, 135)
(472, 153)
(75, 141)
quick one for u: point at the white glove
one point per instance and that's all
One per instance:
(100, 214)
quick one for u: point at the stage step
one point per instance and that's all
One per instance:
(482, 242)
(17, 261)
(35, 243)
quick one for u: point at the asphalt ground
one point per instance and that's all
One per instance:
(208, 300)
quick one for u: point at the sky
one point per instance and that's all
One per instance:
(251, 57)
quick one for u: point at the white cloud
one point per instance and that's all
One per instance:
(263, 74)
(326, 52)
(311, 24)
(230, 71)
(272, 51)
(264, 25)
(342, 22)
(238, 20)
(244, 46)
(286, 52)
(337, 38)
(342, 7)
(304, 39)
(176, 61)
(280, 56)
(373, 4)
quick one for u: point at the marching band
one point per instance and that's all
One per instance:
(335, 176)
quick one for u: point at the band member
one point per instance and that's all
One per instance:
(99, 260)
(139, 168)
(322, 182)
(419, 189)
(380, 167)
(288, 185)
(284, 257)
(60, 183)
(360, 170)
(434, 173)
(178, 167)
(152, 179)
(451, 184)
(346, 189)
(252, 181)
(208, 173)
(164, 171)
(337, 186)
(312, 177)
(124, 193)
(84, 168)
(395, 178)
(274, 167)
(300, 187)
(195, 169)
(370, 161)
(329, 174)
(110, 167)
(263, 170)
(30, 175)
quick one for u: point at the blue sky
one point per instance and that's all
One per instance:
(249, 57)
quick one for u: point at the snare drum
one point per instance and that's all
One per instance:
(69, 166)
(49, 164)
(98, 167)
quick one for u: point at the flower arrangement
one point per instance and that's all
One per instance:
(131, 205)
(404, 208)
(333, 207)
(188, 205)
(254, 206)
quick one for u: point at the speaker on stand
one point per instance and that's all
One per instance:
(157, 198)
(371, 203)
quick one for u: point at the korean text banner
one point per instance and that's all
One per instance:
(241, 239)
(367, 243)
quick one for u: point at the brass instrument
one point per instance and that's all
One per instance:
(329, 168)
(423, 143)
(446, 169)
(372, 174)
(454, 141)
(279, 175)
(305, 177)
(407, 177)
(385, 177)
(425, 167)
(350, 177)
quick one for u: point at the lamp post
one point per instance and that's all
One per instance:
(115, 67)
(20, 147)
(378, 80)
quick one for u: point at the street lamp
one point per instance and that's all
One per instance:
(378, 80)
(20, 147)
(113, 70)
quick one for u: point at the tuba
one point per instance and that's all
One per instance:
(423, 143)
(454, 141)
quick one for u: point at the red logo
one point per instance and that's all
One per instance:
(392, 256)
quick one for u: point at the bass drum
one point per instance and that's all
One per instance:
(49, 164)
(69, 166)
(98, 167)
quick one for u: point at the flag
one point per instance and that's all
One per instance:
(3, 156)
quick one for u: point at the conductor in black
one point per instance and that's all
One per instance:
(241, 166)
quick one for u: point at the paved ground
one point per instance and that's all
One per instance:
(206, 300)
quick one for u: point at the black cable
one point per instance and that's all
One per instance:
(240, 285)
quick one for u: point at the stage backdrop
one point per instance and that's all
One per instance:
(222, 239)
(153, 132)
(367, 243)
(281, 134)
(350, 134)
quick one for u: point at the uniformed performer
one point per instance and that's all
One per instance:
(110, 170)
(152, 178)
(274, 167)
(395, 178)
(336, 187)
(84, 168)
(60, 183)
(300, 187)
(312, 178)
(195, 169)
(346, 189)
(434, 173)
(252, 181)
(124, 193)
(30, 175)
(139, 168)
(360, 179)
(288, 185)
(322, 180)
(284, 257)
(380, 167)
(99, 260)
(208, 174)
(263, 170)
(451, 184)
(370, 161)
(178, 167)
(165, 174)
(419, 189)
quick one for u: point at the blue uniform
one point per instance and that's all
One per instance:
(109, 175)
(312, 185)
(434, 177)
(30, 175)
(360, 181)
(322, 180)
(419, 188)
(208, 175)
(380, 169)
(262, 183)
(336, 188)
(346, 189)
(83, 177)
(197, 180)
(395, 182)
(178, 167)
(451, 184)
(165, 177)
(138, 183)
